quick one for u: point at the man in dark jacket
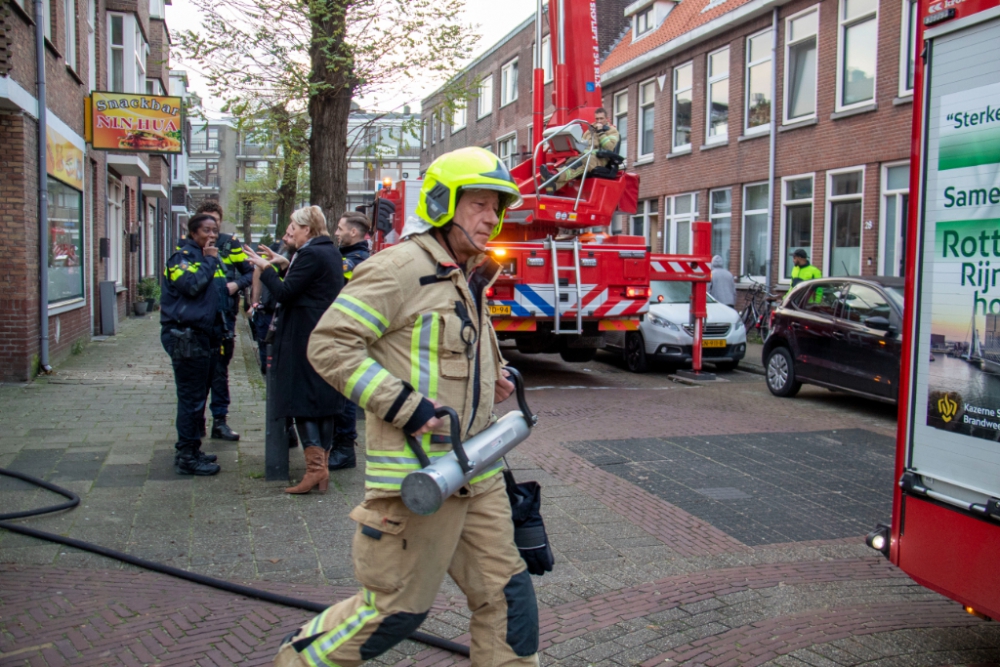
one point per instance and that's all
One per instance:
(351, 231)
(239, 274)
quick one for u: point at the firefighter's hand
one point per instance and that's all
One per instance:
(233, 288)
(431, 424)
(503, 387)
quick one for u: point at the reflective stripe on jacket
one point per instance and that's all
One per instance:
(194, 289)
(803, 273)
(411, 328)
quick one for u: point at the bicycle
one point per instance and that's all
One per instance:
(757, 313)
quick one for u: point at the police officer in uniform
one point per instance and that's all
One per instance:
(239, 275)
(193, 320)
(351, 231)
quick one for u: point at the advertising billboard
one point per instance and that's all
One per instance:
(123, 122)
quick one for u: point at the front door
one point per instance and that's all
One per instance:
(813, 328)
(866, 358)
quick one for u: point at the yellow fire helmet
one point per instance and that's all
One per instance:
(471, 168)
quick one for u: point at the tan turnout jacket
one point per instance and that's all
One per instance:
(405, 331)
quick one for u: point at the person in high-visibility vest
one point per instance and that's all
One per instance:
(803, 270)
(409, 332)
(350, 233)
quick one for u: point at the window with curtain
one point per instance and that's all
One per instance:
(856, 59)
(758, 81)
(720, 215)
(755, 230)
(718, 96)
(683, 80)
(800, 73)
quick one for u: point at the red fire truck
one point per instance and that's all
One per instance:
(945, 530)
(562, 284)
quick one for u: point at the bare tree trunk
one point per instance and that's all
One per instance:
(247, 218)
(294, 145)
(329, 108)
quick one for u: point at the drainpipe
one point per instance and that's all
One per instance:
(43, 196)
(772, 146)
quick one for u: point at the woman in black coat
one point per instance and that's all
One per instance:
(312, 281)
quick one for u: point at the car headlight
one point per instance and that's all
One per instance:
(660, 322)
(739, 325)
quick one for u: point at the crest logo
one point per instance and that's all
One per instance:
(947, 408)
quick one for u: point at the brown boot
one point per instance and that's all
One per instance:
(316, 475)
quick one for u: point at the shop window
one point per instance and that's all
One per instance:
(65, 213)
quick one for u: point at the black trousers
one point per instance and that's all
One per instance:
(192, 377)
(220, 380)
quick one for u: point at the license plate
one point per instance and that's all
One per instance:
(716, 342)
(499, 310)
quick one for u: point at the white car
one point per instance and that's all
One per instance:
(665, 333)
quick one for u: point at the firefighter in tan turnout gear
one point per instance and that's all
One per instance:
(409, 332)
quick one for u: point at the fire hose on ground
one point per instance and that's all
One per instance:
(436, 482)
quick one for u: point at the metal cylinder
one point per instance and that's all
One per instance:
(424, 491)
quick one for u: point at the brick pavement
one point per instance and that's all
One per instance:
(638, 579)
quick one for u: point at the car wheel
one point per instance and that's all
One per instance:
(635, 353)
(726, 366)
(781, 373)
(578, 355)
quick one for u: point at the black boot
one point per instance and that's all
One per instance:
(186, 462)
(293, 437)
(221, 430)
(202, 456)
(342, 456)
(544, 172)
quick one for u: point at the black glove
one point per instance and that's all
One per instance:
(529, 530)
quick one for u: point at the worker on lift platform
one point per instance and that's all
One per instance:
(602, 137)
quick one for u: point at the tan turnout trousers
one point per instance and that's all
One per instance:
(401, 558)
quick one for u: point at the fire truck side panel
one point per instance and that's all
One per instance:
(952, 553)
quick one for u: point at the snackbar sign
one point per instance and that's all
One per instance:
(133, 123)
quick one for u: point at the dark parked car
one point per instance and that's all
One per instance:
(839, 333)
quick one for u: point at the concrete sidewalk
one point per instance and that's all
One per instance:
(638, 580)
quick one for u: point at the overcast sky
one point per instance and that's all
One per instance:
(493, 20)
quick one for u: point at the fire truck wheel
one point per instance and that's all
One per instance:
(781, 373)
(576, 355)
(635, 352)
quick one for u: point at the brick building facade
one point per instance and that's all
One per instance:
(689, 87)
(695, 96)
(92, 195)
(498, 115)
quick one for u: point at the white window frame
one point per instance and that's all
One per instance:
(828, 218)
(115, 230)
(646, 19)
(442, 125)
(842, 26)
(92, 44)
(743, 229)
(69, 9)
(904, 38)
(671, 218)
(134, 67)
(883, 237)
(509, 157)
(783, 235)
(766, 127)
(508, 87)
(639, 155)
(46, 17)
(430, 124)
(459, 117)
(674, 92)
(710, 81)
(616, 114)
(484, 102)
(713, 216)
(787, 84)
(547, 58)
(643, 211)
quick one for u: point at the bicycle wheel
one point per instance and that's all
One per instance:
(748, 317)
